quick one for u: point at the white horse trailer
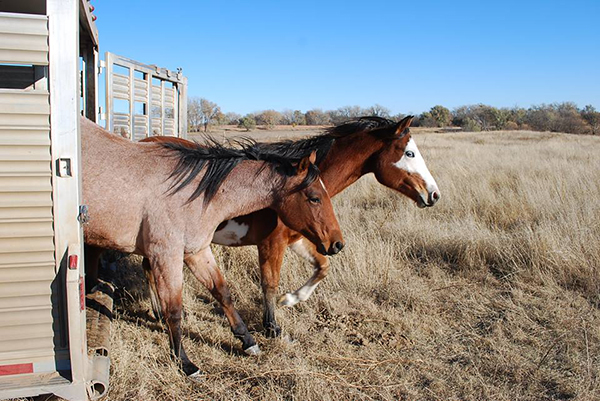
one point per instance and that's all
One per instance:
(49, 70)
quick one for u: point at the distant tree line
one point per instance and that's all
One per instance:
(556, 117)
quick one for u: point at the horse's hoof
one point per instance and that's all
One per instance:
(189, 369)
(254, 350)
(196, 377)
(287, 300)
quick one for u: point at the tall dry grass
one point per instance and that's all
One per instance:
(493, 294)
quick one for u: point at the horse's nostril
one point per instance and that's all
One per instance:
(435, 195)
(337, 246)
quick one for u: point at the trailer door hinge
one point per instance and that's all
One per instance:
(84, 214)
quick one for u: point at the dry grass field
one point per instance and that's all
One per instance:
(493, 294)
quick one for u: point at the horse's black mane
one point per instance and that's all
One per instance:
(219, 160)
(322, 143)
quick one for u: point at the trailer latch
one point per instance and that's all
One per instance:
(84, 214)
(63, 167)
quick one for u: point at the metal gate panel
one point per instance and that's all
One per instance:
(150, 109)
(23, 39)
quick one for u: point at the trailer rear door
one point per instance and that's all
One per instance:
(32, 322)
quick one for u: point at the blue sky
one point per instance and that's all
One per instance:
(408, 56)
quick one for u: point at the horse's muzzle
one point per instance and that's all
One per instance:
(334, 248)
(429, 200)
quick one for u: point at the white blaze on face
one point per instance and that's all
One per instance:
(323, 185)
(416, 165)
(231, 234)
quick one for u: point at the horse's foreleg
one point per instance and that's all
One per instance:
(270, 254)
(153, 291)
(167, 274)
(205, 269)
(308, 251)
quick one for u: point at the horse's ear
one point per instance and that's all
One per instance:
(306, 162)
(402, 126)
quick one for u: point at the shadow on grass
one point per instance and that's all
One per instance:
(125, 272)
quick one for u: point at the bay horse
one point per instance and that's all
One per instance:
(165, 201)
(344, 154)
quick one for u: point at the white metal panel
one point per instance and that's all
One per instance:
(140, 90)
(27, 262)
(169, 98)
(31, 330)
(25, 135)
(14, 333)
(169, 127)
(23, 39)
(121, 86)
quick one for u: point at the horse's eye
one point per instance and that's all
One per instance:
(409, 153)
(314, 200)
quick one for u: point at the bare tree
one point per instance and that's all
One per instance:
(270, 118)
(317, 117)
(346, 113)
(379, 111)
(208, 112)
(399, 117)
(299, 118)
(478, 117)
(287, 117)
(232, 118)
(293, 117)
(194, 114)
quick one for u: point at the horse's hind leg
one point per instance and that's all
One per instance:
(205, 269)
(270, 255)
(153, 291)
(307, 250)
(168, 276)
